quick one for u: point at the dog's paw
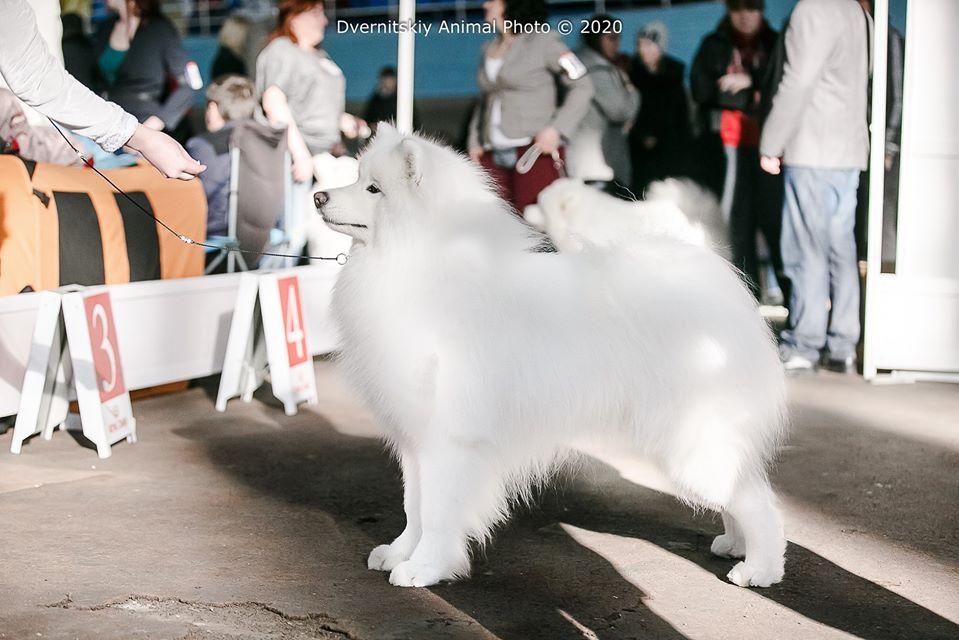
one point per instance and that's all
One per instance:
(385, 557)
(746, 575)
(727, 546)
(418, 574)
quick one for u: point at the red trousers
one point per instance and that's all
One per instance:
(521, 189)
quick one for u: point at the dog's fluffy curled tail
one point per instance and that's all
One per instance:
(698, 204)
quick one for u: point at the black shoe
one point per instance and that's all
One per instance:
(847, 365)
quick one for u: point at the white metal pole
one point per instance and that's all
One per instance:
(877, 178)
(404, 67)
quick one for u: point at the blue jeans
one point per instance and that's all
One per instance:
(819, 258)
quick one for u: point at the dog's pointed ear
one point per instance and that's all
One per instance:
(412, 160)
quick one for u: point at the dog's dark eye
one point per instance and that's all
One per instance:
(373, 189)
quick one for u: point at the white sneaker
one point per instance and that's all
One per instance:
(796, 365)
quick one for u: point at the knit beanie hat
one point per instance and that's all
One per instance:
(655, 32)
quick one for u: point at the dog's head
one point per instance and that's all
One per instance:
(562, 198)
(562, 205)
(400, 176)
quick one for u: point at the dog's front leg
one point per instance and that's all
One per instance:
(387, 556)
(461, 494)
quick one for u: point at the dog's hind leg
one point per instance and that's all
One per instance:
(387, 556)
(753, 508)
(461, 495)
(731, 543)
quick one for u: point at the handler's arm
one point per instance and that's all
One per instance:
(579, 88)
(277, 111)
(37, 78)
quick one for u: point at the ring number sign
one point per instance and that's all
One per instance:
(75, 345)
(103, 343)
(296, 350)
(268, 333)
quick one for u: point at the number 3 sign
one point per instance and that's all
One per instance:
(75, 343)
(278, 342)
(103, 342)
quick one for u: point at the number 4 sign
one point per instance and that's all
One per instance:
(268, 332)
(75, 343)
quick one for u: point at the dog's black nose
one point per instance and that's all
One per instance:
(320, 198)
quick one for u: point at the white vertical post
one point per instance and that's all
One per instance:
(877, 176)
(404, 68)
(231, 213)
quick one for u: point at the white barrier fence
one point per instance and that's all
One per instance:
(167, 330)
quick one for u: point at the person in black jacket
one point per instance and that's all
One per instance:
(660, 136)
(727, 80)
(142, 64)
(381, 107)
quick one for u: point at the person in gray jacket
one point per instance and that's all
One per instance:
(599, 152)
(519, 113)
(816, 133)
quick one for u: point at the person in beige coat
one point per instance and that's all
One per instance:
(519, 113)
(816, 134)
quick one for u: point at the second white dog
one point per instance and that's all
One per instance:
(575, 215)
(487, 359)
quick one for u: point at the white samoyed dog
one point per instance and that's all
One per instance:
(487, 358)
(575, 214)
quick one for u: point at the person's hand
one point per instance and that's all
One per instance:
(164, 153)
(649, 142)
(476, 154)
(735, 82)
(548, 140)
(154, 123)
(302, 167)
(771, 165)
(353, 127)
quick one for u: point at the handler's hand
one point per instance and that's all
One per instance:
(771, 165)
(164, 153)
(548, 140)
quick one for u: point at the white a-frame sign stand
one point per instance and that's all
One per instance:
(75, 344)
(268, 332)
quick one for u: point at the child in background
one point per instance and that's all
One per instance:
(230, 99)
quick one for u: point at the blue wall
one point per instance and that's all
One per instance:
(446, 63)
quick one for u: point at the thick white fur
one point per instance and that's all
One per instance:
(575, 214)
(486, 362)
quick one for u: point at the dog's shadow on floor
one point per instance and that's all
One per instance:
(536, 581)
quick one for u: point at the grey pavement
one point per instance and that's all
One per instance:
(254, 525)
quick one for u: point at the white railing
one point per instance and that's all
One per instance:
(167, 330)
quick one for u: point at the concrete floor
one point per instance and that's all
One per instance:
(253, 525)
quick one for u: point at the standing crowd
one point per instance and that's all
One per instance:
(775, 124)
(779, 134)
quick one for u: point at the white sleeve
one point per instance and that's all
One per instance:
(37, 78)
